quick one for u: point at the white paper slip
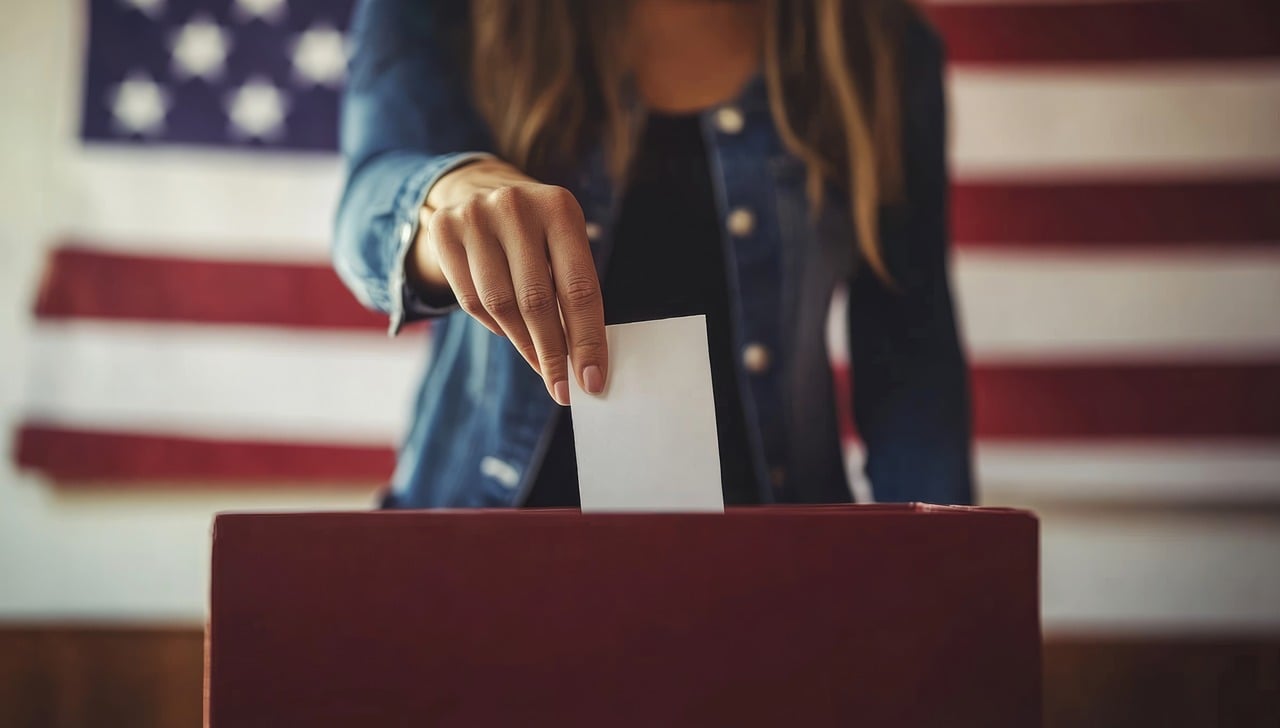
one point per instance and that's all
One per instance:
(649, 442)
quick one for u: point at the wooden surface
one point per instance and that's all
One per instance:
(74, 677)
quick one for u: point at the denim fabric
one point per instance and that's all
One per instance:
(482, 417)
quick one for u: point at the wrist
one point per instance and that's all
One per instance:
(422, 270)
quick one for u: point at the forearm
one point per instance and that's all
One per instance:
(912, 410)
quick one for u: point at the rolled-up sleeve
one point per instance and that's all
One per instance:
(911, 400)
(407, 120)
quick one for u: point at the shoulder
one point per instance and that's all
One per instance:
(398, 22)
(922, 54)
(385, 32)
(923, 50)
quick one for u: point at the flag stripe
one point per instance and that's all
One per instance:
(1081, 123)
(73, 456)
(1159, 400)
(82, 282)
(1205, 305)
(1214, 304)
(232, 382)
(1208, 302)
(1081, 214)
(1005, 32)
(1182, 471)
(1107, 471)
(185, 202)
(1170, 400)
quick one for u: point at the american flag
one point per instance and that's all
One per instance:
(1116, 209)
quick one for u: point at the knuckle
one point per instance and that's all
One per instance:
(512, 208)
(537, 299)
(561, 202)
(553, 365)
(470, 303)
(527, 350)
(588, 348)
(439, 226)
(507, 198)
(439, 238)
(471, 213)
(580, 291)
(499, 303)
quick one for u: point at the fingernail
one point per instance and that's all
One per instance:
(593, 379)
(560, 390)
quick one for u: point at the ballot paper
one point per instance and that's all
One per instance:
(648, 443)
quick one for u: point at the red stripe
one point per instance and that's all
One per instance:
(82, 283)
(1087, 214)
(70, 455)
(1109, 31)
(1112, 401)
(1010, 403)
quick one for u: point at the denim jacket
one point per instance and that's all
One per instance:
(482, 419)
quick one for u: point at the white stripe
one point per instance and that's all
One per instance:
(218, 204)
(1119, 471)
(1198, 473)
(1143, 571)
(1115, 120)
(125, 554)
(1078, 305)
(223, 381)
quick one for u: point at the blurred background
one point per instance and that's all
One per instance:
(173, 342)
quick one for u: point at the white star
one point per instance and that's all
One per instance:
(139, 105)
(149, 8)
(320, 56)
(200, 49)
(269, 10)
(257, 110)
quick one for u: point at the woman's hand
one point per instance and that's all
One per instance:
(514, 253)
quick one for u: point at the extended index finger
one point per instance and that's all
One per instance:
(578, 292)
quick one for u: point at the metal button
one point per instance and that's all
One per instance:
(741, 222)
(406, 232)
(755, 357)
(501, 471)
(778, 476)
(729, 119)
(594, 231)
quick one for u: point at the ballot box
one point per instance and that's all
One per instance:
(867, 615)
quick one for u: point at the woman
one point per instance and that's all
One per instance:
(526, 172)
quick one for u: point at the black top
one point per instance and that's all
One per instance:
(667, 260)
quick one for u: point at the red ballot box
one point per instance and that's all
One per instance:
(874, 615)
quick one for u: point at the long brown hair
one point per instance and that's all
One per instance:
(547, 75)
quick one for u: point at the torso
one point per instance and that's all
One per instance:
(668, 213)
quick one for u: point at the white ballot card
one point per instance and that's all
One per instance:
(648, 443)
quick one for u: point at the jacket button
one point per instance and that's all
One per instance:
(594, 231)
(406, 232)
(729, 119)
(741, 222)
(755, 357)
